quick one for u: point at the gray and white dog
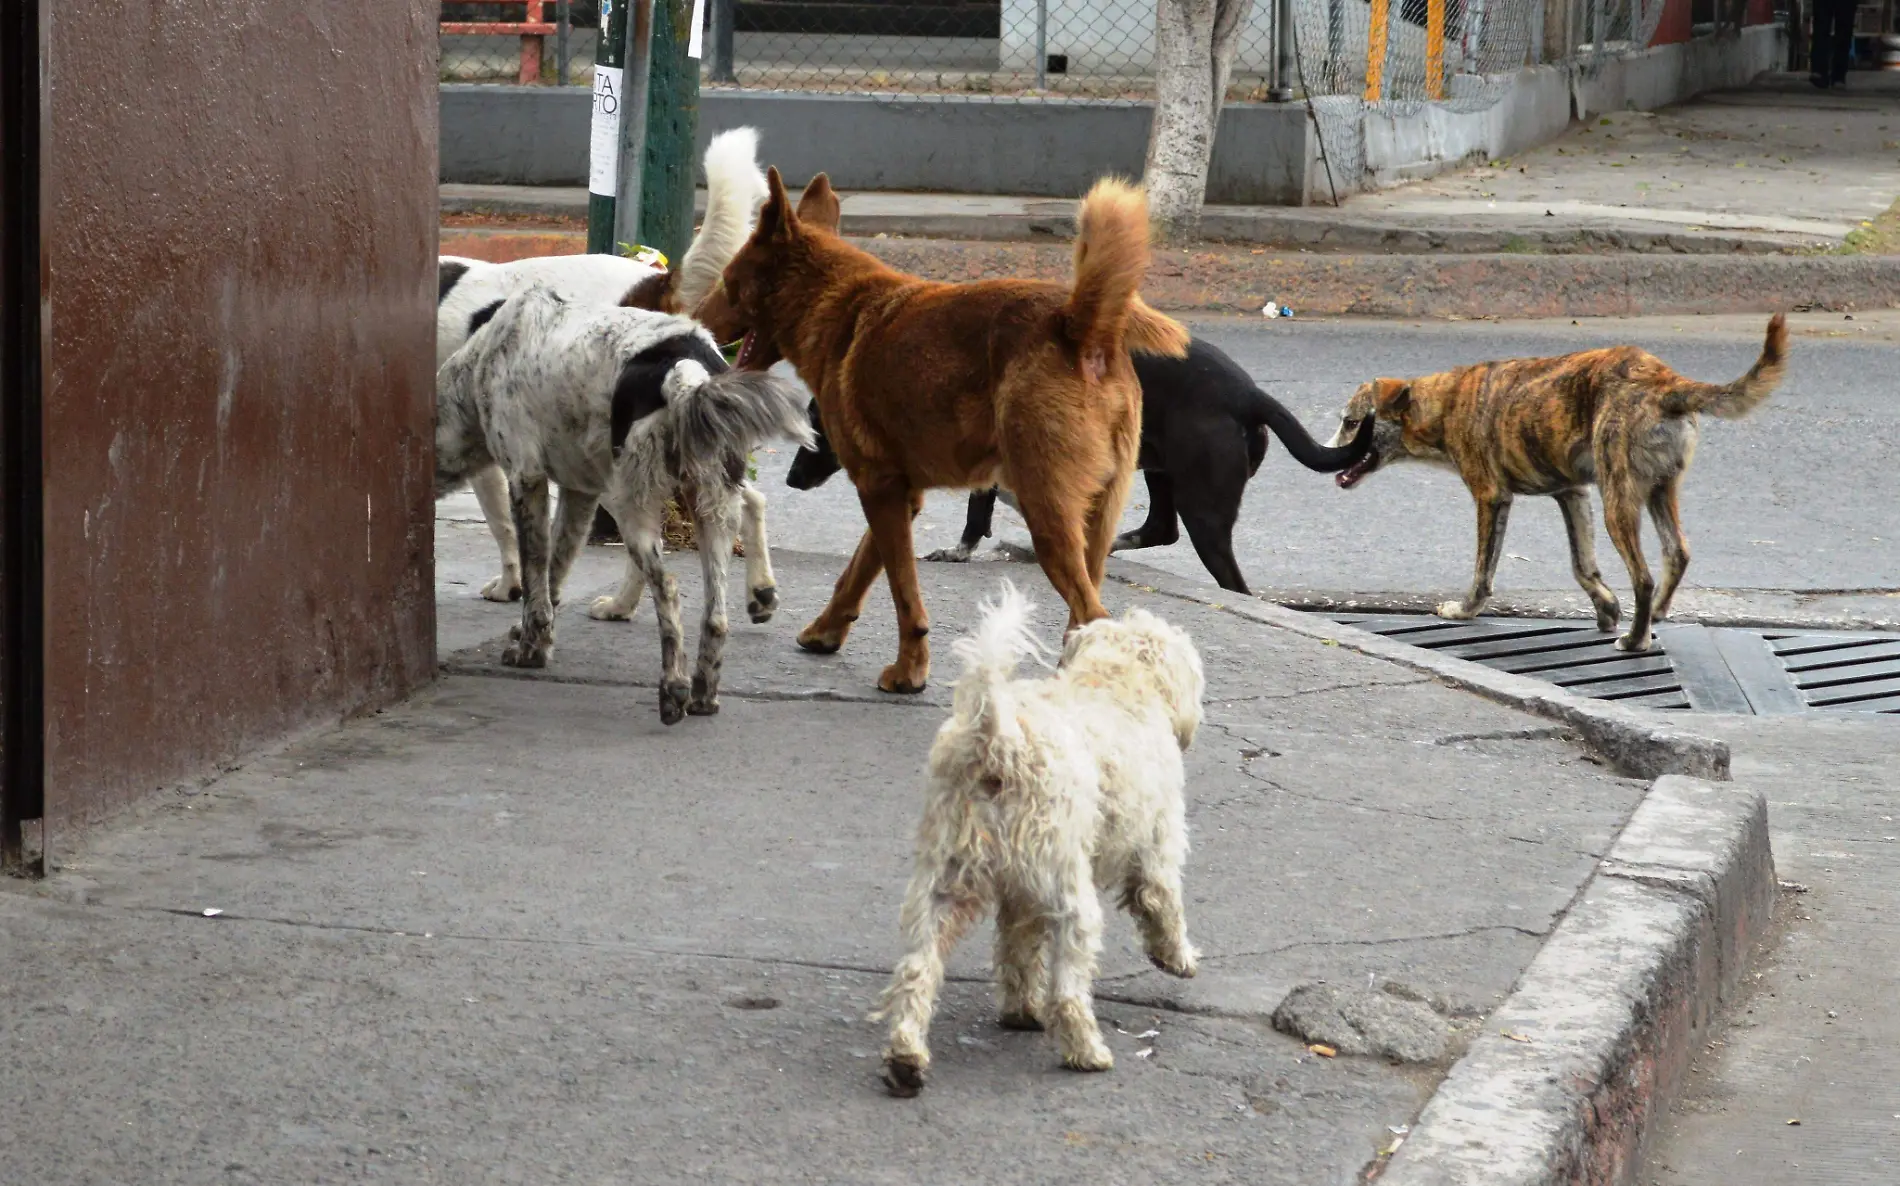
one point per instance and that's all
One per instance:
(622, 407)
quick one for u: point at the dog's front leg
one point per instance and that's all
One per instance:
(491, 490)
(827, 632)
(1162, 527)
(1022, 975)
(888, 508)
(936, 914)
(761, 586)
(1493, 512)
(534, 638)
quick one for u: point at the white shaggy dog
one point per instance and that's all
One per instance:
(622, 407)
(469, 290)
(1042, 792)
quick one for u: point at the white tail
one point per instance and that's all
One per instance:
(990, 654)
(735, 189)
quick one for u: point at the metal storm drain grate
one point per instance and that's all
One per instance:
(1695, 668)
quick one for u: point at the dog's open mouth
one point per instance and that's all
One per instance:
(1349, 477)
(748, 349)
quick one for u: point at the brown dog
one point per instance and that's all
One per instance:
(924, 385)
(1618, 419)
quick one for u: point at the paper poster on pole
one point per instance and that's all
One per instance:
(603, 147)
(698, 36)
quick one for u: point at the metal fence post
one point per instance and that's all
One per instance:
(603, 150)
(1042, 44)
(672, 126)
(562, 23)
(1283, 60)
(631, 176)
(722, 41)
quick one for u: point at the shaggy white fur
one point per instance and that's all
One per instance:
(541, 391)
(468, 288)
(1041, 792)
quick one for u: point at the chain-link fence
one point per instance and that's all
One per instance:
(1357, 62)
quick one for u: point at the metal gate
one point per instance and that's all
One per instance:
(1692, 668)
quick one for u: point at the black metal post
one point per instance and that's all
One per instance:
(722, 16)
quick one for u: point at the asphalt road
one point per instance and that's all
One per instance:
(1799, 497)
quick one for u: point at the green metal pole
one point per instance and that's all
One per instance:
(603, 167)
(666, 194)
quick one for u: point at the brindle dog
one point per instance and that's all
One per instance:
(1618, 419)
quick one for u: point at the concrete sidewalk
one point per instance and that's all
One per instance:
(1716, 175)
(515, 930)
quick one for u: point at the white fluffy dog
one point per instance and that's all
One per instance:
(1042, 792)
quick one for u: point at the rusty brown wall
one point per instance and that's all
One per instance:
(241, 234)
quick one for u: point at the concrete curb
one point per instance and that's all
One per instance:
(1577, 1065)
(1758, 610)
(1279, 227)
(1226, 279)
(1635, 743)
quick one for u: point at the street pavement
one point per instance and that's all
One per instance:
(514, 930)
(1789, 513)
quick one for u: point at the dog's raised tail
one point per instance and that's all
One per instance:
(714, 416)
(735, 188)
(990, 654)
(1103, 312)
(1737, 399)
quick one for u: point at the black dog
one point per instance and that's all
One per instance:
(1204, 426)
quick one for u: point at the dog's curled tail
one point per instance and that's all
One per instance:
(1737, 399)
(990, 654)
(734, 411)
(1103, 313)
(735, 188)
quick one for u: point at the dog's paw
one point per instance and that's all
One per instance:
(504, 588)
(904, 1074)
(1019, 1019)
(1455, 610)
(762, 603)
(1092, 1057)
(704, 702)
(819, 642)
(609, 609)
(673, 697)
(1184, 963)
(900, 683)
(956, 555)
(518, 655)
(1608, 616)
(1629, 642)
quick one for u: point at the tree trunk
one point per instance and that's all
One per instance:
(1195, 42)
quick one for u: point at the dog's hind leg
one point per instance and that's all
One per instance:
(1494, 511)
(1022, 980)
(1575, 505)
(640, 527)
(1665, 511)
(1622, 515)
(716, 512)
(1076, 919)
(760, 585)
(977, 522)
(1162, 527)
(1105, 515)
(572, 521)
(619, 606)
(491, 490)
(534, 638)
(936, 914)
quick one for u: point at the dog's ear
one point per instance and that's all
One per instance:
(820, 206)
(776, 218)
(1391, 397)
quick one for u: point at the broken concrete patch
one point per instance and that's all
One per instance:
(1364, 1021)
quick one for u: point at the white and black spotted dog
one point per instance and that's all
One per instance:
(623, 407)
(469, 290)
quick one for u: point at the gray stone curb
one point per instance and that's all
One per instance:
(1572, 1071)
(1634, 742)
